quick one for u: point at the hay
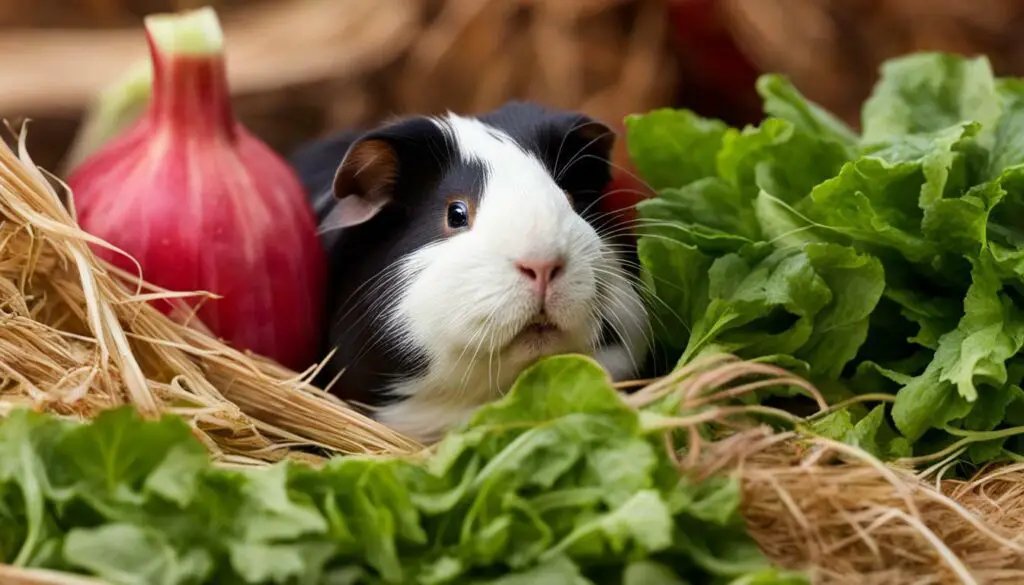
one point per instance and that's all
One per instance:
(77, 337)
(825, 507)
(812, 503)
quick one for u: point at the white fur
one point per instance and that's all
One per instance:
(464, 300)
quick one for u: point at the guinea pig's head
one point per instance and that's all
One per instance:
(499, 256)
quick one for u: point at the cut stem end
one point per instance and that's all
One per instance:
(195, 32)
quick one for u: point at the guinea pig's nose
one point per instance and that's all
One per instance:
(540, 273)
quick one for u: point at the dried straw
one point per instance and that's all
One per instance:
(831, 509)
(77, 336)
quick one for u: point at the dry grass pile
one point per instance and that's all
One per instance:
(823, 506)
(76, 337)
(818, 504)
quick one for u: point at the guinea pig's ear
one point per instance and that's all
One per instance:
(364, 182)
(579, 150)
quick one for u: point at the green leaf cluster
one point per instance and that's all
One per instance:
(558, 483)
(890, 260)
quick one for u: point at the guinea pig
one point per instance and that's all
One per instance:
(462, 250)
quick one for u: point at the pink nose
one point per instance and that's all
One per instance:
(540, 273)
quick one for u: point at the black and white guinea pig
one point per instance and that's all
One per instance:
(462, 250)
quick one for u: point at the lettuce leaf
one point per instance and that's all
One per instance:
(890, 261)
(556, 483)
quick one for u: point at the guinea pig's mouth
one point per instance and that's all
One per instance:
(539, 329)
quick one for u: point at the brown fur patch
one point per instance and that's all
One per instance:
(368, 171)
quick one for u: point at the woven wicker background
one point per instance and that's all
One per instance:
(300, 68)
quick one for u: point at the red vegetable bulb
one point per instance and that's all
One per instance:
(202, 204)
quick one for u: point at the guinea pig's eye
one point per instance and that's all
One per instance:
(458, 215)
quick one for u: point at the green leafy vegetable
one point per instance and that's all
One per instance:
(891, 261)
(556, 483)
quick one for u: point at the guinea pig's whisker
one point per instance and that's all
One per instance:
(625, 170)
(663, 238)
(631, 280)
(464, 384)
(572, 130)
(381, 317)
(479, 333)
(601, 196)
(648, 330)
(383, 287)
(620, 228)
(493, 378)
(644, 291)
(639, 221)
(385, 323)
(383, 277)
(604, 222)
(581, 153)
(614, 320)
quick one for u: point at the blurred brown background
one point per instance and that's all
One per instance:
(300, 68)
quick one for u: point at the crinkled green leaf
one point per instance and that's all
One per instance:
(874, 435)
(672, 148)
(772, 576)
(583, 388)
(676, 274)
(875, 203)
(26, 438)
(784, 101)
(553, 481)
(758, 158)
(1008, 149)
(176, 477)
(644, 520)
(124, 554)
(836, 425)
(112, 460)
(993, 328)
(557, 571)
(887, 262)
(871, 433)
(281, 517)
(784, 225)
(925, 92)
(622, 468)
(746, 295)
(716, 501)
(945, 158)
(650, 573)
(895, 196)
(711, 203)
(990, 332)
(856, 282)
(281, 563)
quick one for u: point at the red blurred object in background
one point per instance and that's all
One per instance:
(717, 78)
(717, 81)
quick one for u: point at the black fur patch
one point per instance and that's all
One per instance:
(360, 289)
